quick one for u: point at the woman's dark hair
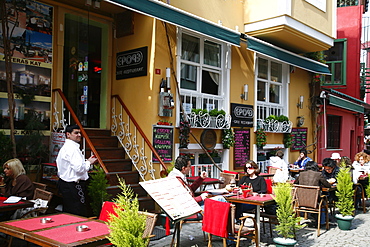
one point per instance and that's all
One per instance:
(181, 162)
(329, 162)
(312, 166)
(303, 151)
(254, 165)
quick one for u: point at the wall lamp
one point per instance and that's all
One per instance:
(244, 95)
(96, 3)
(300, 103)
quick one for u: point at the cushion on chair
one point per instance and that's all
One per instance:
(215, 218)
(107, 210)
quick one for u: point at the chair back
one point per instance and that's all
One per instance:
(268, 185)
(216, 217)
(271, 169)
(42, 194)
(149, 224)
(227, 178)
(39, 185)
(307, 196)
(106, 210)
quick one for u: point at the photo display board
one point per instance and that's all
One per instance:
(163, 142)
(299, 139)
(241, 147)
(172, 197)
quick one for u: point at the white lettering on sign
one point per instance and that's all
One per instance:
(129, 59)
(243, 112)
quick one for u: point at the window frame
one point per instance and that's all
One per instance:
(333, 131)
(331, 66)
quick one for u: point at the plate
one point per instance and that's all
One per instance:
(218, 191)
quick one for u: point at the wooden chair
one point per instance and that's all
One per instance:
(227, 177)
(309, 200)
(219, 220)
(39, 185)
(39, 194)
(271, 170)
(150, 224)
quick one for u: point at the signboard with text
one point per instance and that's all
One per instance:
(241, 147)
(132, 63)
(163, 142)
(241, 115)
(299, 138)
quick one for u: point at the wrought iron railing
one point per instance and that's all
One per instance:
(133, 140)
(272, 125)
(204, 120)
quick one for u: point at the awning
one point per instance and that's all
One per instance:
(286, 56)
(178, 17)
(345, 104)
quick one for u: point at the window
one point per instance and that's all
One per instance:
(334, 124)
(202, 78)
(336, 60)
(271, 88)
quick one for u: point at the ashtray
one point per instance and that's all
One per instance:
(82, 228)
(45, 220)
(262, 195)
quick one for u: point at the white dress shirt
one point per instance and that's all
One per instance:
(71, 163)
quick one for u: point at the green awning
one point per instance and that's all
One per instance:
(178, 17)
(345, 104)
(286, 56)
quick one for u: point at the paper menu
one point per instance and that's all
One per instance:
(172, 197)
(13, 199)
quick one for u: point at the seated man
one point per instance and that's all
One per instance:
(330, 172)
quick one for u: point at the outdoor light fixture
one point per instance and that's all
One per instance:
(300, 103)
(244, 95)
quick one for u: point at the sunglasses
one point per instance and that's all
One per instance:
(249, 167)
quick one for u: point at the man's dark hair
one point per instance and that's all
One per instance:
(312, 166)
(329, 162)
(181, 162)
(367, 151)
(70, 128)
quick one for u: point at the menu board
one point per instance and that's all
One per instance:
(241, 147)
(299, 139)
(163, 142)
(172, 196)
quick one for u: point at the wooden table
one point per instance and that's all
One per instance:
(265, 175)
(253, 200)
(14, 206)
(60, 232)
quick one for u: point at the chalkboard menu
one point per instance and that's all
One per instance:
(163, 142)
(299, 138)
(241, 147)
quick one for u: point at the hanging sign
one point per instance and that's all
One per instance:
(132, 63)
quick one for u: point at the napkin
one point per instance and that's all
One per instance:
(13, 199)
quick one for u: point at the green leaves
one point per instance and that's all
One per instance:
(345, 191)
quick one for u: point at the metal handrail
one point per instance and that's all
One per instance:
(83, 132)
(145, 139)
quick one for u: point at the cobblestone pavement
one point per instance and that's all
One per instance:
(357, 236)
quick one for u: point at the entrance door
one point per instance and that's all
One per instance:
(82, 77)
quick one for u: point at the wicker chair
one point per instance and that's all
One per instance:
(309, 200)
(227, 178)
(150, 224)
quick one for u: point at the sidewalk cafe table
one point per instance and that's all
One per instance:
(206, 181)
(61, 231)
(14, 206)
(253, 200)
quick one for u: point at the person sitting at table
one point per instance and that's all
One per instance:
(302, 159)
(312, 177)
(281, 175)
(182, 167)
(336, 157)
(361, 167)
(330, 172)
(16, 182)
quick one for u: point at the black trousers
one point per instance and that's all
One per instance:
(74, 197)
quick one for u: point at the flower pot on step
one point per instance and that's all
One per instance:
(344, 222)
(281, 242)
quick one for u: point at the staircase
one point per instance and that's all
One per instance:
(114, 159)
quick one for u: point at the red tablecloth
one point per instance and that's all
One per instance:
(267, 197)
(68, 234)
(2, 204)
(35, 224)
(206, 180)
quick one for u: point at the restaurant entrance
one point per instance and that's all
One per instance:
(82, 68)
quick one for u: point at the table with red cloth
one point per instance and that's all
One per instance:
(61, 231)
(14, 206)
(206, 181)
(253, 200)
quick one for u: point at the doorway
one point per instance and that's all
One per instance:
(83, 83)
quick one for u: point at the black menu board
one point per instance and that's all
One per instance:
(299, 138)
(163, 142)
(241, 147)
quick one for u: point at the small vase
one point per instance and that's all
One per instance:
(344, 222)
(281, 242)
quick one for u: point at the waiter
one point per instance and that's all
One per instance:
(73, 172)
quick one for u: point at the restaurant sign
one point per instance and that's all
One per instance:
(132, 63)
(242, 115)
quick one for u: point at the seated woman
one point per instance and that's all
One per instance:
(16, 182)
(258, 184)
(302, 159)
(360, 174)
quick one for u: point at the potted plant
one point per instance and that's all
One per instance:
(288, 222)
(214, 116)
(228, 138)
(261, 138)
(189, 156)
(345, 194)
(204, 159)
(288, 140)
(97, 189)
(184, 134)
